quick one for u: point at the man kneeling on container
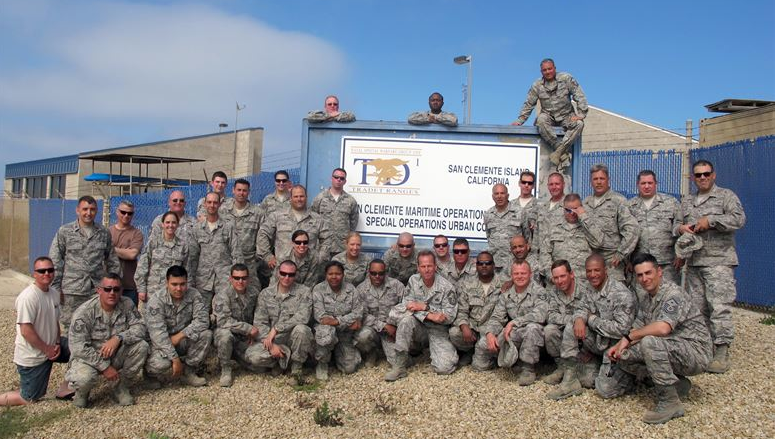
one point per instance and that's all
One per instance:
(106, 338)
(669, 340)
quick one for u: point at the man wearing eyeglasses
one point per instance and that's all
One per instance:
(281, 197)
(428, 309)
(571, 239)
(214, 247)
(379, 294)
(527, 202)
(38, 342)
(713, 214)
(401, 259)
(274, 236)
(502, 222)
(234, 306)
(330, 112)
(178, 321)
(107, 338)
(127, 243)
(620, 229)
(82, 252)
(282, 315)
(463, 265)
(435, 115)
(477, 298)
(338, 209)
(176, 202)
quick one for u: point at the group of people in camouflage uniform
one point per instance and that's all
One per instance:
(594, 284)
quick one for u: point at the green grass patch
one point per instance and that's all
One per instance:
(15, 422)
(325, 417)
(769, 320)
(155, 435)
(300, 383)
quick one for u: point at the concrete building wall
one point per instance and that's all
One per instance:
(217, 149)
(7, 186)
(748, 124)
(608, 131)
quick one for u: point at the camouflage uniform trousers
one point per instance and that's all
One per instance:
(128, 361)
(194, 353)
(367, 339)
(229, 345)
(661, 358)
(299, 341)
(527, 339)
(553, 336)
(72, 302)
(546, 124)
(456, 337)
(713, 290)
(340, 342)
(592, 342)
(443, 354)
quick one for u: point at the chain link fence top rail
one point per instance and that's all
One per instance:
(746, 167)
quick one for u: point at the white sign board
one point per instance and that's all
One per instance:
(430, 187)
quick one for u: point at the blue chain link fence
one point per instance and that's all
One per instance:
(623, 167)
(746, 167)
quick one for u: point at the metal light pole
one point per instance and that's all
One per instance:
(236, 121)
(467, 59)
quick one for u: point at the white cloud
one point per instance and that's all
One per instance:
(167, 69)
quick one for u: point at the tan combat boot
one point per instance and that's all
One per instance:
(668, 406)
(555, 377)
(528, 374)
(720, 362)
(226, 377)
(570, 385)
(192, 379)
(122, 395)
(398, 370)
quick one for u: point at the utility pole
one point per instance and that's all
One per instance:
(236, 122)
(686, 162)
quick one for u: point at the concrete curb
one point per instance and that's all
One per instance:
(16, 275)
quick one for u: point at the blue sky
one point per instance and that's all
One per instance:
(83, 75)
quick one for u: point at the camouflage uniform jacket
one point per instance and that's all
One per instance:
(274, 236)
(500, 227)
(656, 226)
(212, 253)
(561, 307)
(282, 311)
(272, 203)
(571, 241)
(186, 224)
(309, 271)
(165, 318)
(234, 311)
(451, 273)
(440, 297)
(474, 305)
(400, 268)
(620, 229)
(675, 307)
(424, 118)
(345, 306)
(340, 216)
(548, 216)
(157, 257)
(201, 210)
(92, 327)
(377, 302)
(531, 259)
(321, 116)
(246, 225)
(531, 218)
(555, 97)
(81, 262)
(610, 311)
(725, 215)
(528, 307)
(354, 271)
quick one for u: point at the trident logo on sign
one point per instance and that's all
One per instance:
(388, 172)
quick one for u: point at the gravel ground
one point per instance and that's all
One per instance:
(740, 403)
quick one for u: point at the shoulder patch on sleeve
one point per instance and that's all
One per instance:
(670, 306)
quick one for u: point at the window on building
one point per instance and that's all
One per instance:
(36, 187)
(57, 189)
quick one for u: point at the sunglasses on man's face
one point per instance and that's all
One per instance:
(126, 212)
(287, 274)
(44, 270)
(111, 289)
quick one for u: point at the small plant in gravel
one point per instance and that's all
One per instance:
(326, 417)
(14, 422)
(155, 435)
(769, 320)
(303, 402)
(384, 405)
(301, 383)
